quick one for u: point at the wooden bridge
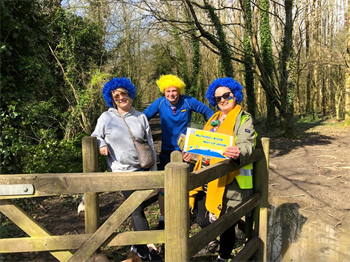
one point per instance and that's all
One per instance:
(177, 182)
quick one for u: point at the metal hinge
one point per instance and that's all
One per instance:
(18, 189)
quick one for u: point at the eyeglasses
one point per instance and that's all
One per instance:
(117, 96)
(224, 96)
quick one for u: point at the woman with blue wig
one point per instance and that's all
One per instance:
(218, 196)
(116, 144)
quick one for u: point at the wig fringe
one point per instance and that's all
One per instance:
(166, 81)
(229, 82)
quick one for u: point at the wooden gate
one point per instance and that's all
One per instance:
(177, 182)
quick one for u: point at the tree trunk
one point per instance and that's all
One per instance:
(324, 95)
(347, 74)
(248, 62)
(267, 59)
(308, 108)
(225, 54)
(182, 60)
(288, 71)
(196, 87)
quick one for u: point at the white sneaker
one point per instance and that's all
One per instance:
(141, 252)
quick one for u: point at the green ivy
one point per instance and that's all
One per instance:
(248, 62)
(225, 53)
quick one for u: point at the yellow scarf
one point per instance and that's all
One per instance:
(216, 188)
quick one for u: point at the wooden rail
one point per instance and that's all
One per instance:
(177, 182)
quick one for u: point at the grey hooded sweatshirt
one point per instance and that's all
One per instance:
(111, 131)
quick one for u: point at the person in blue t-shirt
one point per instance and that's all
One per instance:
(175, 110)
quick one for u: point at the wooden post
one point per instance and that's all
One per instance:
(176, 156)
(260, 213)
(176, 210)
(90, 164)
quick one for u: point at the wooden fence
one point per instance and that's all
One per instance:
(177, 182)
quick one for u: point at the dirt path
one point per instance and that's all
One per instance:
(314, 170)
(309, 192)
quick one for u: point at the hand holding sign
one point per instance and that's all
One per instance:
(232, 152)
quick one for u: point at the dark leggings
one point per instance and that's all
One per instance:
(227, 242)
(227, 239)
(138, 219)
(202, 213)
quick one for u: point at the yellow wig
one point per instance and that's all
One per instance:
(166, 81)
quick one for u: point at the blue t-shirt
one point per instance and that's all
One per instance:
(175, 121)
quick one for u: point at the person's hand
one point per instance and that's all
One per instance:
(212, 217)
(232, 152)
(104, 151)
(186, 156)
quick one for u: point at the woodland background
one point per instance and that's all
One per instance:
(292, 57)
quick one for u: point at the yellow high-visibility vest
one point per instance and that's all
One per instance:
(245, 178)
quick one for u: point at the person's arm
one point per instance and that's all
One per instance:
(201, 108)
(150, 142)
(245, 139)
(99, 133)
(152, 109)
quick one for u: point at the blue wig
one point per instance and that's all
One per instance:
(229, 82)
(114, 84)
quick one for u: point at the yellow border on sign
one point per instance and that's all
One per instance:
(207, 143)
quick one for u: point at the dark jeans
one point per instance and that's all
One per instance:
(164, 158)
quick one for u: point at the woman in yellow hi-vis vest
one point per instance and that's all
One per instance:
(215, 198)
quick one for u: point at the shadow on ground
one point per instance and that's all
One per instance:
(304, 136)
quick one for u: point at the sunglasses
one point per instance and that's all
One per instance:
(224, 96)
(118, 96)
